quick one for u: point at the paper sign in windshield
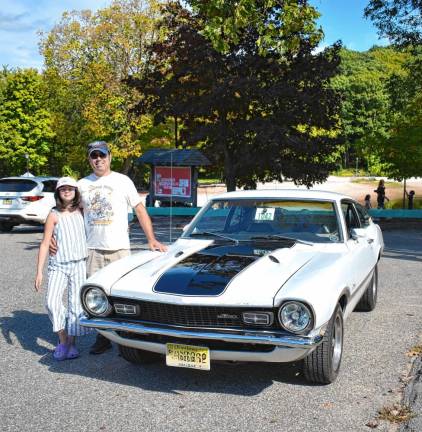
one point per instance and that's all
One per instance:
(264, 214)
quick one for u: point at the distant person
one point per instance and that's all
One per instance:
(66, 269)
(106, 196)
(410, 197)
(381, 197)
(368, 204)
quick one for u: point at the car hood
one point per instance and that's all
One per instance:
(207, 272)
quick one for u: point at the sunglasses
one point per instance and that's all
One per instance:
(96, 155)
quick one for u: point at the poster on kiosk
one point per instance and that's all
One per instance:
(172, 181)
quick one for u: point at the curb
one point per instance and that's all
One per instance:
(413, 397)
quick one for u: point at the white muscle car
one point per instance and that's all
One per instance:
(262, 276)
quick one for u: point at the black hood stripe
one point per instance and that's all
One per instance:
(208, 272)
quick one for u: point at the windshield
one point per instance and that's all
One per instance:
(249, 219)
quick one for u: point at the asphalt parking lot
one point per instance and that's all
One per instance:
(105, 393)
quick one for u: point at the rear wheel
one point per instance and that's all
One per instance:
(323, 364)
(6, 226)
(368, 300)
(138, 356)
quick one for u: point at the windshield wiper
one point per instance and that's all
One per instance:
(214, 234)
(280, 237)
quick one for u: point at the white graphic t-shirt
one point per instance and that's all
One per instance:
(105, 203)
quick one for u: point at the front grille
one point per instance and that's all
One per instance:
(193, 316)
(211, 344)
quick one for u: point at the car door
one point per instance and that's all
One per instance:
(361, 254)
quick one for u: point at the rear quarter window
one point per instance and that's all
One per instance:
(49, 185)
(15, 185)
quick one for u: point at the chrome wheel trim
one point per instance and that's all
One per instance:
(337, 343)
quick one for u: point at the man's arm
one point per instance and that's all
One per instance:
(146, 225)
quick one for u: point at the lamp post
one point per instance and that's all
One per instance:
(27, 162)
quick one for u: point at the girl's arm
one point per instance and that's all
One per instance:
(42, 254)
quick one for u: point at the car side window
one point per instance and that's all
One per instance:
(49, 185)
(363, 215)
(350, 216)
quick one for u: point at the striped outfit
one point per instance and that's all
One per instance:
(67, 270)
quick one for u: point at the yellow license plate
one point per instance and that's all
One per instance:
(7, 201)
(188, 356)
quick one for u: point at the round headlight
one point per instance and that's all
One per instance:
(96, 301)
(295, 316)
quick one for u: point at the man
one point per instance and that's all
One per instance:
(106, 196)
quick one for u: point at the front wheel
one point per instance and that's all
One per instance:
(138, 356)
(323, 364)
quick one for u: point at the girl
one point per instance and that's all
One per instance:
(368, 204)
(66, 269)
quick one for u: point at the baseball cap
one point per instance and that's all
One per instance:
(101, 146)
(66, 181)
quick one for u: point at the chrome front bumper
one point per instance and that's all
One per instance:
(286, 347)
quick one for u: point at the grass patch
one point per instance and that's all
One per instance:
(209, 181)
(395, 413)
(374, 183)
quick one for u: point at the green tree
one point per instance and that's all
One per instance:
(284, 29)
(365, 101)
(257, 117)
(402, 147)
(398, 20)
(25, 123)
(88, 57)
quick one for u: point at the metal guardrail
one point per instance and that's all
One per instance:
(396, 214)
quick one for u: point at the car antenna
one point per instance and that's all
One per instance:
(171, 194)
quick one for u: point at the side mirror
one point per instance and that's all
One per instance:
(357, 233)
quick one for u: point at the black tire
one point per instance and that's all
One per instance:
(6, 226)
(323, 364)
(138, 356)
(368, 300)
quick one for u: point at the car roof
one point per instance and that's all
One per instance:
(284, 193)
(35, 178)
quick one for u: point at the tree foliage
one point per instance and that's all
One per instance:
(398, 20)
(402, 148)
(88, 56)
(365, 112)
(284, 29)
(257, 117)
(25, 123)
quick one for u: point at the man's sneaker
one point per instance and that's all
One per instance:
(102, 344)
(60, 353)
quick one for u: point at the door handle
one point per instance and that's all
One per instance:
(370, 240)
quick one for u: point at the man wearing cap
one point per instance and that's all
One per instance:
(106, 196)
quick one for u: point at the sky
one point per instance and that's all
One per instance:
(21, 20)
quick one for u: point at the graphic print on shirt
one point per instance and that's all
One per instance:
(100, 210)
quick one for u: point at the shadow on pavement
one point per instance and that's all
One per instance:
(229, 378)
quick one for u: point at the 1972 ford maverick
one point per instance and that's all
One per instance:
(257, 276)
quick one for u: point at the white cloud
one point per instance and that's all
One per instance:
(21, 20)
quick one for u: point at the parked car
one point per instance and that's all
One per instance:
(25, 200)
(263, 276)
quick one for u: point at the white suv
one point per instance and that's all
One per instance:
(25, 200)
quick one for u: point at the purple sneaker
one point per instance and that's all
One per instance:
(72, 353)
(60, 353)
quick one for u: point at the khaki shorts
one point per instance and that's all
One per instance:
(97, 259)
